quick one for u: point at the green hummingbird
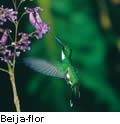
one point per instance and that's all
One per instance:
(63, 69)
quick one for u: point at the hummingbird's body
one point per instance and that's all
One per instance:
(70, 74)
(63, 69)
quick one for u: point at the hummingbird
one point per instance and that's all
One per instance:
(63, 69)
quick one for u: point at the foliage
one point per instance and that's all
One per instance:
(95, 55)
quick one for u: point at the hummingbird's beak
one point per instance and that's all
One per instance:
(59, 42)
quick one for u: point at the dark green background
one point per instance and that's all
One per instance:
(95, 56)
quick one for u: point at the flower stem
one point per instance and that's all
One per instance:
(20, 4)
(21, 17)
(14, 4)
(16, 31)
(10, 37)
(15, 95)
(1, 69)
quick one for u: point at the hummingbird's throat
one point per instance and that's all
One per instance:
(68, 79)
(68, 76)
(62, 55)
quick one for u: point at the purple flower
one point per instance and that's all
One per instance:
(7, 56)
(36, 21)
(9, 50)
(24, 42)
(6, 13)
(4, 38)
(3, 51)
(6, 53)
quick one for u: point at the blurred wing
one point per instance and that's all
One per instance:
(44, 67)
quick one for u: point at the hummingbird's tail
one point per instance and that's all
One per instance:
(75, 95)
(76, 91)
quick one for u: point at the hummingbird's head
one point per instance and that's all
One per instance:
(67, 51)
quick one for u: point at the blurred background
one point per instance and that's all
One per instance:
(92, 29)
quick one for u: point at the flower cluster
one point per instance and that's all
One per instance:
(6, 13)
(9, 50)
(36, 21)
(12, 42)
(5, 52)
(24, 42)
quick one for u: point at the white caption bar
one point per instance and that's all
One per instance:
(59, 118)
